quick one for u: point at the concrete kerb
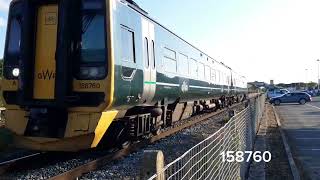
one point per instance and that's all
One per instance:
(293, 167)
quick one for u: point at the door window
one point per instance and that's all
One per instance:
(153, 56)
(146, 53)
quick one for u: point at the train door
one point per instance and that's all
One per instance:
(149, 74)
(45, 63)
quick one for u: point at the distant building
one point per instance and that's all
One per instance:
(258, 84)
(271, 82)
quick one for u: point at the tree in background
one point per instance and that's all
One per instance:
(312, 85)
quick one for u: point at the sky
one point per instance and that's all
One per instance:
(260, 39)
(4, 7)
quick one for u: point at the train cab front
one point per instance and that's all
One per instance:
(58, 73)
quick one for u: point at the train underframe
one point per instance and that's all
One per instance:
(112, 131)
(143, 121)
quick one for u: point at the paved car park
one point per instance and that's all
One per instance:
(302, 127)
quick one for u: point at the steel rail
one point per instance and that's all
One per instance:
(5, 166)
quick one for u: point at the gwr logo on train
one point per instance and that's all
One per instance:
(46, 75)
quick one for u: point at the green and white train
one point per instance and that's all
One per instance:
(79, 73)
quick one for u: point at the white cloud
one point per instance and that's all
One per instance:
(3, 22)
(4, 5)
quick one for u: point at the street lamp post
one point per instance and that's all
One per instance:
(318, 74)
(306, 87)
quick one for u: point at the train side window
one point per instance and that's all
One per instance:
(146, 52)
(201, 71)
(213, 76)
(223, 79)
(226, 79)
(207, 73)
(218, 76)
(127, 45)
(193, 68)
(14, 36)
(153, 55)
(183, 64)
(170, 61)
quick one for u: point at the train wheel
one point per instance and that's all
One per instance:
(115, 136)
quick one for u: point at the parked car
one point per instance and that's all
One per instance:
(313, 93)
(292, 97)
(276, 92)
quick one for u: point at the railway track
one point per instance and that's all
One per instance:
(18, 162)
(101, 161)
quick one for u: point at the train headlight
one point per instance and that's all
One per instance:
(84, 72)
(16, 72)
(92, 72)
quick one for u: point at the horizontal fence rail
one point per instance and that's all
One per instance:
(204, 160)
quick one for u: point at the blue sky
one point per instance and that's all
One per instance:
(261, 39)
(4, 6)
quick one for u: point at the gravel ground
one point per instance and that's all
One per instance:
(12, 153)
(52, 164)
(43, 173)
(172, 147)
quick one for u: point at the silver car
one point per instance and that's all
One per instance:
(276, 92)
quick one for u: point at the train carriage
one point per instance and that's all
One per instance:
(79, 73)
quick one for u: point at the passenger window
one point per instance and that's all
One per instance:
(193, 68)
(127, 45)
(217, 76)
(169, 53)
(201, 71)
(207, 73)
(283, 92)
(170, 61)
(213, 75)
(146, 53)
(183, 64)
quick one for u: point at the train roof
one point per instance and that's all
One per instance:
(137, 8)
(133, 5)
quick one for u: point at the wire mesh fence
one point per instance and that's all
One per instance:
(205, 160)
